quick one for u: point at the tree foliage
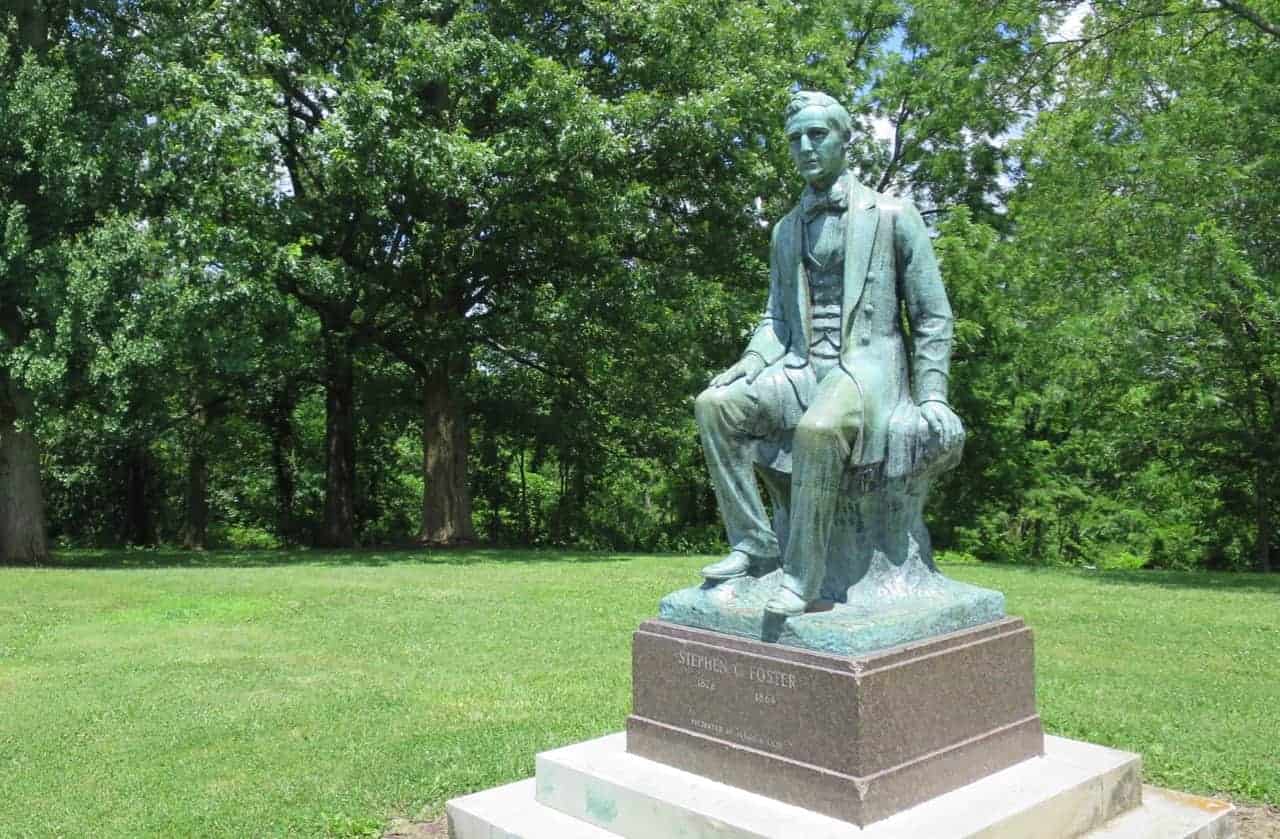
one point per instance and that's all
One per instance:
(281, 272)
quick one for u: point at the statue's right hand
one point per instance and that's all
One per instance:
(749, 366)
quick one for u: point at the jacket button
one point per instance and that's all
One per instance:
(869, 309)
(864, 340)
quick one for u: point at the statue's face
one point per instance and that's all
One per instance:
(816, 147)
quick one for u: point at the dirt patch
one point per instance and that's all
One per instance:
(408, 829)
(1257, 822)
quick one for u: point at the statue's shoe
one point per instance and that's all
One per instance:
(736, 564)
(786, 603)
(739, 564)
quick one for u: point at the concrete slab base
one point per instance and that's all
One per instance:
(595, 790)
(1164, 812)
(511, 812)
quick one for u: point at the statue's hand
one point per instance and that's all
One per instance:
(748, 367)
(944, 423)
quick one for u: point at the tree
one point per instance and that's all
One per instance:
(1148, 220)
(65, 169)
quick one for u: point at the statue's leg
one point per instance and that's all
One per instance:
(821, 452)
(731, 419)
(778, 485)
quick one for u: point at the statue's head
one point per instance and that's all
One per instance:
(818, 130)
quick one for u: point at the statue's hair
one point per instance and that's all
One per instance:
(837, 117)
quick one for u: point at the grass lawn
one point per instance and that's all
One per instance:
(317, 694)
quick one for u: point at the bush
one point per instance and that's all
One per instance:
(240, 537)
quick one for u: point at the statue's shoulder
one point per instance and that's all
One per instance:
(785, 224)
(893, 205)
(903, 213)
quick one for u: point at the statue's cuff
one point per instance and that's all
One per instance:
(757, 355)
(930, 385)
(940, 398)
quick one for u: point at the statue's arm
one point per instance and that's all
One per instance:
(928, 310)
(769, 340)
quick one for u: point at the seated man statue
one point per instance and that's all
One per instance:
(828, 374)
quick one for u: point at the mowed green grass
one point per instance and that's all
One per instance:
(313, 694)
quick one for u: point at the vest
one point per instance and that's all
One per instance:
(824, 267)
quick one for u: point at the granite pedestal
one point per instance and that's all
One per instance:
(854, 738)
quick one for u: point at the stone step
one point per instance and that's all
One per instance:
(598, 791)
(510, 812)
(1174, 814)
(1074, 788)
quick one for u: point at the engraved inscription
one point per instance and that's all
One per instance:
(725, 689)
(772, 678)
(755, 673)
(741, 735)
(710, 663)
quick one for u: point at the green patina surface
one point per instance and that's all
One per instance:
(601, 806)
(839, 406)
(874, 621)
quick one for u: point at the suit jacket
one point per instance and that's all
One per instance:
(889, 264)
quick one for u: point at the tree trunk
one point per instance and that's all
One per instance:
(22, 526)
(338, 530)
(446, 498)
(279, 421)
(525, 537)
(195, 530)
(33, 26)
(1264, 526)
(139, 524)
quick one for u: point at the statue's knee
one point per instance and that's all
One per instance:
(826, 430)
(709, 404)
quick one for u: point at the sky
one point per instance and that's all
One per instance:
(1072, 27)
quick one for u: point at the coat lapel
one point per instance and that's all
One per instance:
(859, 243)
(794, 266)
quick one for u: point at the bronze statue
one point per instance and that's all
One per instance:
(843, 416)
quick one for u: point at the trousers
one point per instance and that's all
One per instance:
(822, 408)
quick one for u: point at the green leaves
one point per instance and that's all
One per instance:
(568, 205)
(1145, 226)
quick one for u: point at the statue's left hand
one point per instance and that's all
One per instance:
(944, 423)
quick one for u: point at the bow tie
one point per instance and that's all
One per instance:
(833, 201)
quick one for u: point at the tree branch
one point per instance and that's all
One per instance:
(1242, 11)
(891, 169)
(12, 325)
(868, 28)
(523, 360)
(287, 284)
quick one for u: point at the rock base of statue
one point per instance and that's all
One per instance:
(889, 606)
(856, 738)
(880, 587)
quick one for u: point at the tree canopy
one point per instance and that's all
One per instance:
(278, 273)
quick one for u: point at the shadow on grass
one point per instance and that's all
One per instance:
(1210, 580)
(1154, 578)
(140, 559)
